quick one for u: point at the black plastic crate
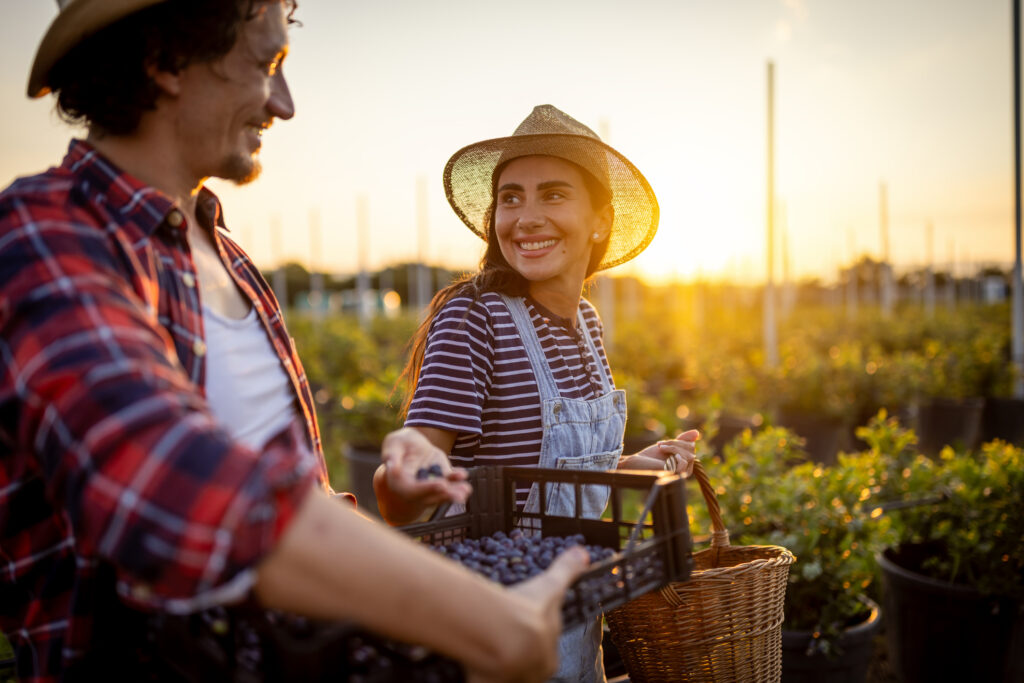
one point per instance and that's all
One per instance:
(645, 521)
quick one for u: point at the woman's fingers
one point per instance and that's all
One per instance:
(679, 456)
(435, 490)
(402, 474)
(691, 435)
(406, 452)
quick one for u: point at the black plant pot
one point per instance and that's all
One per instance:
(802, 663)
(729, 427)
(825, 436)
(363, 461)
(1003, 418)
(948, 422)
(937, 631)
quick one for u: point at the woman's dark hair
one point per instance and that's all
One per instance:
(494, 275)
(104, 81)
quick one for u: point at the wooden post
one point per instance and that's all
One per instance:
(424, 290)
(363, 279)
(316, 276)
(771, 347)
(280, 284)
(1018, 286)
(883, 220)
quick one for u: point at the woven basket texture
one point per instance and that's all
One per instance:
(724, 624)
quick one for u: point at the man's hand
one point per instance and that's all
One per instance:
(401, 495)
(543, 596)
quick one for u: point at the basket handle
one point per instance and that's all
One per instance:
(719, 534)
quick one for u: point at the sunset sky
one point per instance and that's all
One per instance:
(916, 94)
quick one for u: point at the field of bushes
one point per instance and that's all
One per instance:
(685, 355)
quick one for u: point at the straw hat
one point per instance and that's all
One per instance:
(468, 177)
(77, 20)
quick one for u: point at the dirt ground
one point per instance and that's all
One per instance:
(881, 669)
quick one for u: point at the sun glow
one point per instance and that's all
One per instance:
(711, 225)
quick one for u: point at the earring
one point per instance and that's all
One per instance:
(597, 235)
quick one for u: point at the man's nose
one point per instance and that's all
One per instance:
(280, 104)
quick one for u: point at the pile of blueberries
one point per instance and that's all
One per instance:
(432, 472)
(516, 556)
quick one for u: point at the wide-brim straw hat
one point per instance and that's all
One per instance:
(469, 177)
(77, 20)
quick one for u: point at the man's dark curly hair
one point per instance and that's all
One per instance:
(103, 81)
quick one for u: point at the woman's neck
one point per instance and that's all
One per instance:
(561, 300)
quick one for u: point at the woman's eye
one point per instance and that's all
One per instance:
(509, 199)
(554, 195)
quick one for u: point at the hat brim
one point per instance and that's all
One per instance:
(468, 186)
(77, 21)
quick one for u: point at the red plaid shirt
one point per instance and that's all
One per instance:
(109, 456)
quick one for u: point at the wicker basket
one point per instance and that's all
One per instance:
(724, 624)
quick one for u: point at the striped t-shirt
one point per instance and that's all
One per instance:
(476, 379)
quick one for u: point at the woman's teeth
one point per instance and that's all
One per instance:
(533, 246)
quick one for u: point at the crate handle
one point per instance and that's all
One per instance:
(652, 496)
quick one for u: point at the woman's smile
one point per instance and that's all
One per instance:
(533, 247)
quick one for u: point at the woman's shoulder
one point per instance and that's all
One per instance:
(487, 305)
(590, 315)
(482, 317)
(588, 308)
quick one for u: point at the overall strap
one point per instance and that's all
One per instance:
(584, 329)
(546, 384)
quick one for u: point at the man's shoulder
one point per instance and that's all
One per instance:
(49, 191)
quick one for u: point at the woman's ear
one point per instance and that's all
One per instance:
(605, 219)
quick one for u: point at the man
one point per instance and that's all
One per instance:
(139, 466)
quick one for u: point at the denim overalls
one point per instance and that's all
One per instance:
(578, 435)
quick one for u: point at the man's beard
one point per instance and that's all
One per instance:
(241, 170)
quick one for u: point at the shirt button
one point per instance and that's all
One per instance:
(142, 592)
(189, 279)
(199, 347)
(175, 219)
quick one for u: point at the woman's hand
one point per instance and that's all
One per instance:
(676, 454)
(401, 496)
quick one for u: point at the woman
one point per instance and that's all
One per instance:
(508, 368)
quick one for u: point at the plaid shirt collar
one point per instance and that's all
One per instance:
(143, 205)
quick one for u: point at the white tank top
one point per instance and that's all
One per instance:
(247, 389)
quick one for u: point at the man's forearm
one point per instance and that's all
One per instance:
(333, 563)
